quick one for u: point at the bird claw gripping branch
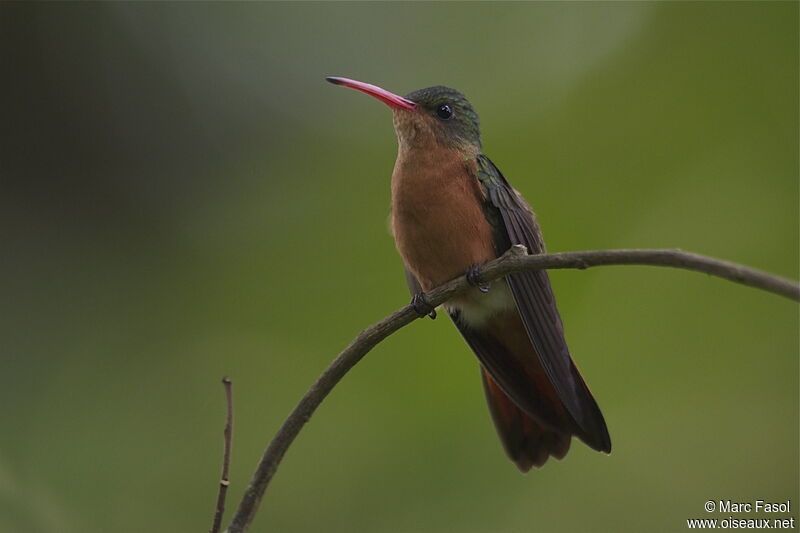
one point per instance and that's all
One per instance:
(422, 307)
(474, 278)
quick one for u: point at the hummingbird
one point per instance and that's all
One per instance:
(453, 210)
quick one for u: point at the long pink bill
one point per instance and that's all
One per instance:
(390, 99)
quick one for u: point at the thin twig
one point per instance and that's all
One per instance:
(513, 261)
(224, 483)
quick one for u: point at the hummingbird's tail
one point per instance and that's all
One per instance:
(528, 413)
(527, 442)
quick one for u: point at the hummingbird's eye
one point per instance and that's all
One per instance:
(444, 111)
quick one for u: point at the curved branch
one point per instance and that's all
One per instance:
(513, 261)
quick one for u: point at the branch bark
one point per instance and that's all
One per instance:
(224, 483)
(513, 261)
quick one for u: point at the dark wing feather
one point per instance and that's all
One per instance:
(536, 305)
(413, 285)
(527, 440)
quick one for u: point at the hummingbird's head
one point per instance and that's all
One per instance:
(434, 115)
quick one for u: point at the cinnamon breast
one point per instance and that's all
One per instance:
(438, 222)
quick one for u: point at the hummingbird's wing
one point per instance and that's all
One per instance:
(413, 285)
(536, 305)
(533, 425)
(527, 441)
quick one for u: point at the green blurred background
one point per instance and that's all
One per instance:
(184, 197)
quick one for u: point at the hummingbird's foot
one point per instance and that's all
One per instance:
(422, 307)
(474, 278)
